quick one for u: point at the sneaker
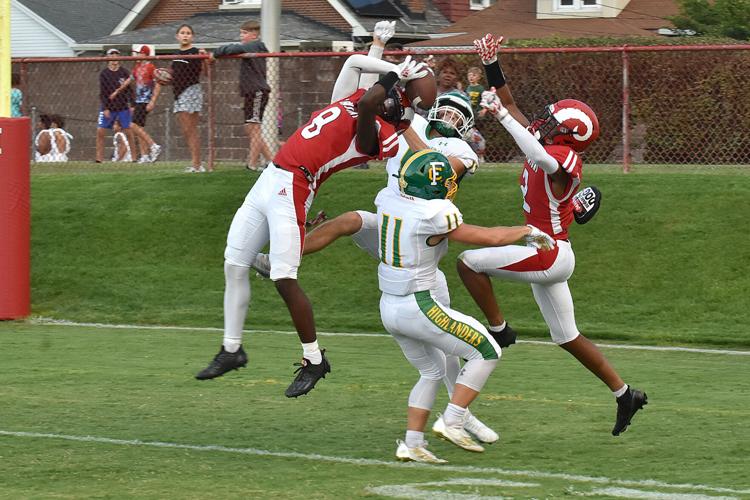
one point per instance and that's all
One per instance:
(480, 431)
(262, 264)
(473, 425)
(255, 168)
(144, 159)
(418, 454)
(154, 151)
(190, 170)
(627, 405)
(457, 436)
(505, 337)
(222, 363)
(200, 169)
(308, 375)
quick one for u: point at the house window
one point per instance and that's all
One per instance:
(578, 4)
(240, 4)
(480, 4)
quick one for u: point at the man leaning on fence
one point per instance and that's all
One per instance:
(253, 87)
(113, 105)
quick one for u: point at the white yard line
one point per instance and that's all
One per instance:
(62, 322)
(483, 471)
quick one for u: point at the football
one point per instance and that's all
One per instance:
(422, 91)
(163, 76)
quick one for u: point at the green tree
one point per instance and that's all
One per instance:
(728, 18)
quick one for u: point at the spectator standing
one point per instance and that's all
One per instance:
(447, 76)
(16, 96)
(114, 105)
(143, 77)
(188, 95)
(253, 88)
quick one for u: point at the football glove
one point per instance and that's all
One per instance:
(384, 30)
(539, 239)
(487, 47)
(586, 203)
(411, 70)
(491, 102)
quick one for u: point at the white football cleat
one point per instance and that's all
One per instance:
(418, 454)
(480, 430)
(262, 264)
(456, 435)
(154, 152)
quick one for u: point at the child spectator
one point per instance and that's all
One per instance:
(121, 151)
(114, 105)
(447, 75)
(16, 96)
(474, 91)
(254, 89)
(143, 76)
(188, 95)
(52, 142)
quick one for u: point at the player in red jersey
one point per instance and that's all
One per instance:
(550, 178)
(359, 125)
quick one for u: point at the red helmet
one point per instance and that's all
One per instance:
(568, 123)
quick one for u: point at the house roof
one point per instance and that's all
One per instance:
(411, 26)
(220, 27)
(68, 16)
(517, 19)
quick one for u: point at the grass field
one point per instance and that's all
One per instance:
(105, 412)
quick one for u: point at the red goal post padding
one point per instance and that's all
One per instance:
(15, 218)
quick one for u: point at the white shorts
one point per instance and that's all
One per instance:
(274, 211)
(190, 100)
(368, 240)
(548, 274)
(420, 324)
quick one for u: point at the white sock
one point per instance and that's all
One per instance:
(454, 415)
(622, 390)
(311, 352)
(236, 300)
(498, 328)
(414, 439)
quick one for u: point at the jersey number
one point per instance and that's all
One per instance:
(317, 123)
(395, 241)
(524, 190)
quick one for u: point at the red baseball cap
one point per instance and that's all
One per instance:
(145, 50)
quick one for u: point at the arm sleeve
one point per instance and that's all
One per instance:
(103, 96)
(237, 48)
(367, 80)
(349, 78)
(534, 151)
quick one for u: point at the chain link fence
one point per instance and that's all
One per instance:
(656, 105)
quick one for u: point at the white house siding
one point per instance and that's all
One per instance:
(30, 38)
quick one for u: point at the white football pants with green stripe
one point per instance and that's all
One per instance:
(422, 326)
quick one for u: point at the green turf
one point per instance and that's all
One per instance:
(664, 261)
(554, 418)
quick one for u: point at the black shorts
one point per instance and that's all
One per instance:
(139, 114)
(255, 105)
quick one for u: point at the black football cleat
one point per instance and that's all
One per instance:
(222, 363)
(627, 404)
(505, 337)
(308, 375)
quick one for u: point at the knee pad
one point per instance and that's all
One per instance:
(467, 258)
(423, 393)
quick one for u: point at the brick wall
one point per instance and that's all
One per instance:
(453, 9)
(167, 11)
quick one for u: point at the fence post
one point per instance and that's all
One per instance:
(211, 117)
(625, 110)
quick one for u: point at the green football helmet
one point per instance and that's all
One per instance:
(452, 115)
(427, 174)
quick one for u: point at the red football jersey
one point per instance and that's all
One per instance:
(541, 208)
(327, 143)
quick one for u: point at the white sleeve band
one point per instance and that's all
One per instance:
(348, 80)
(530, 146)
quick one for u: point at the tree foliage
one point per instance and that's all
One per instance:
(724, 18)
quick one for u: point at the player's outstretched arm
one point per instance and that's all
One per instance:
(488, 236)
(382, 32)
(487, 48)
(345, 224)
(348, 80)
(534, 151)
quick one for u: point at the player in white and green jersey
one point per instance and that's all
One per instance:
(415, 224)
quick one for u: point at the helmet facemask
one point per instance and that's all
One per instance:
(452, 116)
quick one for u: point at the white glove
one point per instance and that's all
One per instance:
(492, 103)
(411, 70)
(384, 30)
(487, 47)
(539, 239)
